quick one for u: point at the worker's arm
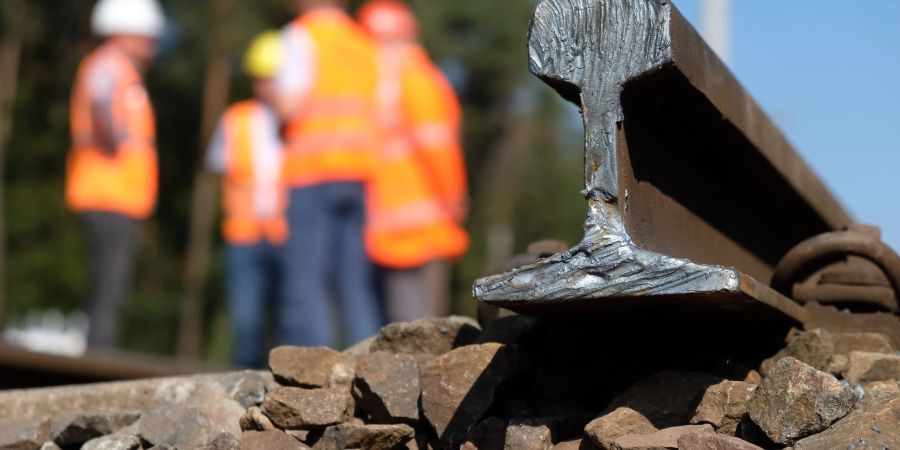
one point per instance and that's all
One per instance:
(102, 87)
(297, 75)
(216, 154)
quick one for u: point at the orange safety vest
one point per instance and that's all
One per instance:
(410, 221)
(333, 137)
(243, 224)
(124, 180)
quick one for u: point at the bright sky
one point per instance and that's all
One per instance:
(828, 73)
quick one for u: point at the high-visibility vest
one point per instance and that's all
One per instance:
(253, 197)
(333, 137)
(124, 179)
(410, 222)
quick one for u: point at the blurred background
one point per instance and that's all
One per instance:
(824, 71)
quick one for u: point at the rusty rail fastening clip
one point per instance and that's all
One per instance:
(851, 268)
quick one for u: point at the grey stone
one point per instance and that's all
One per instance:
(78, 428)
(370, 437)
(533, 434)
(114, 442)
(877, 428)
(868, 366)
(796, 400)
(24, 434)
(225, 441)
(432, 336)
(194, 420)
(723, 405)
(290, 407)
(622, 421)
(668, 398)
(249, 390)
(387, 387)
(458, 387)
(709, 441)
(114, 396)
(270, 440)
(303, 366)
(666, 438)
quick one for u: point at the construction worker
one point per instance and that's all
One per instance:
(417, 199)
(247, 150)
(327, 89)
(112, 167)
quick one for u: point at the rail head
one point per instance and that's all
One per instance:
(686, 178)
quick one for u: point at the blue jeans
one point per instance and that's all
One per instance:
(253, 274)
(325, 258)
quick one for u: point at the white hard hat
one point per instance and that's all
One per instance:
(132, 17)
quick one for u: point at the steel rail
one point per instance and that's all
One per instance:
(693, 193)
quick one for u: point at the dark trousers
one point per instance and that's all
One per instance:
(253, 275)
(112, 250)
(325, 258)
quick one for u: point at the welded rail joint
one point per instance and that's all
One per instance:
(589, 51)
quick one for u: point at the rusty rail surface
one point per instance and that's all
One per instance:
(24, 369)
(693, 193)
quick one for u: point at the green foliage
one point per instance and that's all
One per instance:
(485, 39)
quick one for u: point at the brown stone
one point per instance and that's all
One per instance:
(369, 437)
(194, 420)
(432, 336)
(753, 377)
(844, 343)
(876, 428)
(290, 407)
(23, 434)
(78, 428)
(877, 392)
(577, 444)
(708, 441)
(489, 434)
(254, 420)
(867, 366)
(342, 376)
(528, 435)
(458, 387)
(666, 438)
(814, 347)
(723, 405)
(269, 440)
(838, 364)
(796, 400)
(603, 430)
(387, 387)
(303, 366)
(668, 398)
(113, 442)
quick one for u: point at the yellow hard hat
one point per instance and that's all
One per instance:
(265, 55)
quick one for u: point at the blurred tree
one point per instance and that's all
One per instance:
(10, 54)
